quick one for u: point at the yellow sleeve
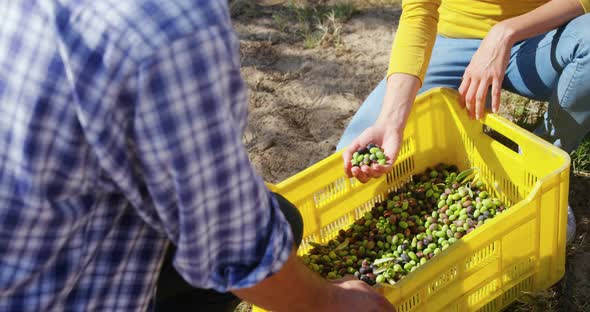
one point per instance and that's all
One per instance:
(586, 5)
(415, 37)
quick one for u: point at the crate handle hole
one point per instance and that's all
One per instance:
(502, 139)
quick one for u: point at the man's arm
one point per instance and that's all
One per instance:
(296, 288)
(229, 233)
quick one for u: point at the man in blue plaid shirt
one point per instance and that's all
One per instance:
(120, 134)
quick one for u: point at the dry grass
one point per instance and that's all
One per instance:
(542, 301)
(244, 307)
(528, 114)
(247, 8)
(522, 111)
(581, 157)
(317, 24)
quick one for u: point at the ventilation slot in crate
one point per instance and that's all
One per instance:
(404, 168)
(368, 205)
(331, 230)
(514, 292)
(467, 143)
(510, 192)
(482, 257)
(330, 192)
(442, 281)
(407, 147)
(482, 294)
(484, 173)
(492, 306)
(410, 304)
(519, 270)
(531, 180)
(307, 208)
(401, 172)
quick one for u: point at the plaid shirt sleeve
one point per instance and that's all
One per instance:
(188, 124)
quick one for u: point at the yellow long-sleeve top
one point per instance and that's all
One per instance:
(422, 19)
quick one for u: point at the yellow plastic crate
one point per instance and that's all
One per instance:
(522, 249)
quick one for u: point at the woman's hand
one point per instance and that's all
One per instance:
(387, 137)
(489, 63)
(388, 130)
(487, 68)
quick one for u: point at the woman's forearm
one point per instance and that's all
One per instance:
(399, 97)
(540, 20)
(489, 63)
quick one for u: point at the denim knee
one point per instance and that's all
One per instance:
(579, 30)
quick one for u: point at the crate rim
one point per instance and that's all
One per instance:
(488, 118)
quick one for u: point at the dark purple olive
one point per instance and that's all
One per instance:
(405, 257)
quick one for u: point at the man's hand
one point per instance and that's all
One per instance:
(296, 288)
(487, 68)
(353, 295)
(387, 137)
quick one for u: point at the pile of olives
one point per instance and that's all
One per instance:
(414, 224)
(368, 156)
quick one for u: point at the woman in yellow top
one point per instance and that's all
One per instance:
(536, 48)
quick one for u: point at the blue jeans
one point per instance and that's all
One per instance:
(553, 67)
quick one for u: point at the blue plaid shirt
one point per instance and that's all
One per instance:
(120, 130)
